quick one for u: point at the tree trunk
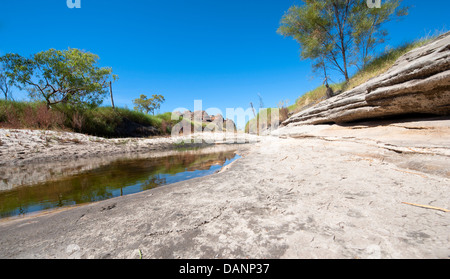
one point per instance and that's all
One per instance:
(341, 27)
(251, 104)
(324, 70)
(110, 91)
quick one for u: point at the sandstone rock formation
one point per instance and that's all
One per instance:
(227, 123)
(419, 82)
(217, 119)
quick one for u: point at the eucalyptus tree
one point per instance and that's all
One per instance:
(7, 79)
(338, 34)
(5, 85)
(368, 31)
(147, 105)
(60, 76)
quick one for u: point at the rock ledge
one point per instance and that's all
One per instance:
(418, 83)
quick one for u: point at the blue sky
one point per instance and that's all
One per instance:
(223, 52)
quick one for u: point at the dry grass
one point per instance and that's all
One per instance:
(382, 63)
(98, 121)
(376, 67)
(311, 98)
(32, 116)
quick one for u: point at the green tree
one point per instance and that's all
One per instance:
(368, 31)
(7, 79)
(68, 76)
(143, 104)
(5, 85)
(338, 34)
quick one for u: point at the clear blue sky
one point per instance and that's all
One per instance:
(223, 52)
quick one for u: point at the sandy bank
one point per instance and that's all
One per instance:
(322, 194)
(22, 147)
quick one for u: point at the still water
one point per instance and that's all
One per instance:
(117, 178)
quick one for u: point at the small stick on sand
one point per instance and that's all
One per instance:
(427, 206)
(424, 176)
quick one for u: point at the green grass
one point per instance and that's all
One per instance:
(263, 119)
(374, 68)
(383, 62)
(263, 116)
(99, 121)
(313, 97)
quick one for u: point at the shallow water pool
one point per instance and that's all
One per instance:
(116, 178)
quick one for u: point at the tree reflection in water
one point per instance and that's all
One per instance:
(120, 177)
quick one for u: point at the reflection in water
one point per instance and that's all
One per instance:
(121, 177)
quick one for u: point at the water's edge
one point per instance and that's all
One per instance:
(104, 178)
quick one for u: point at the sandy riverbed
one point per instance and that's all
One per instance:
(22, 147)
(309, 192)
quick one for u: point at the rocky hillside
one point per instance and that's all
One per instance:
(418, 83)
(212, 122)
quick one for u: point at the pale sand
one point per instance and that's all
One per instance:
(310, 192)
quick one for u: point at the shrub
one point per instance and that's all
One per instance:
(34, 115)
(99, 121)
(77, 121)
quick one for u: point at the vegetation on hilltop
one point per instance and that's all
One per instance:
(66, 89)
(375, 67)
(58, 76)
(147, 105)
(97, 121)
(337, 35)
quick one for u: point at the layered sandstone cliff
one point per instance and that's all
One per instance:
(419, 82)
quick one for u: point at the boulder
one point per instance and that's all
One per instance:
(418, 83)
(188, 114)
(199, 114)
(207, 119)
(217, 118)
(229, 123)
